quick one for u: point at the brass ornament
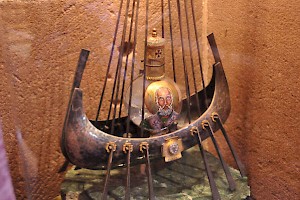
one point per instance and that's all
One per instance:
(155, 57)
(144, 146)
(111, 146)
(194, 130)
(172, 148)
(214, 116)
(127, 147)
(204, 124)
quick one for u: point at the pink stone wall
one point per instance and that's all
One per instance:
(40, 42)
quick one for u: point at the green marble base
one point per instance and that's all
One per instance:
(181, 179)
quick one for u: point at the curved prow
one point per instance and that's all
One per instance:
(85, 145)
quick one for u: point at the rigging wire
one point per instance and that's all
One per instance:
(145, 56)
(119, 71)
(184, 63)
(172, 43)
(162, 19)
(127, 58)
(191, 56)
(110, 60)
(132, 68)
(199, 56)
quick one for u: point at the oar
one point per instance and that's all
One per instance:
(206, 126)
(214, 190)
(216, 118)
(144, 148)
(110, 148)
(127, 149)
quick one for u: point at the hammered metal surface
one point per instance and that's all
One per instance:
(85, 144)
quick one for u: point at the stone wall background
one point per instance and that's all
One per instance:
(40, 43)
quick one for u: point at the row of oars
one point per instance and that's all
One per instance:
(118, 87)
(130, 37)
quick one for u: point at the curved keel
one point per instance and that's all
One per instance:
(86, 146)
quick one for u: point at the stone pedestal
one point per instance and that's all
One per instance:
(182, 179)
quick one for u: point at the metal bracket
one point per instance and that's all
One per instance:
(214, 116)
(111, 146)
(127, 147)
(144, 146)
(205, 123)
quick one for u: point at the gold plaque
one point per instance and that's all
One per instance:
(172, 148)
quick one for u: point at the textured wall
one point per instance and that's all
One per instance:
(259, 44)
(40, 43)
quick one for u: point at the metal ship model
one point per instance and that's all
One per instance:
(165, 122)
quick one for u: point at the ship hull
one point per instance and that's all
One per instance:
(84, 145)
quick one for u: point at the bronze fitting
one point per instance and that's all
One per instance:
(111, 146)
(144, 146)
(172, 148)
(127, 147)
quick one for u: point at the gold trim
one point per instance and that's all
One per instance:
(214, 116)
(155, 78)
(144, 146)
(194, 130)
(204, 123)
(127, 147)
(111, 146)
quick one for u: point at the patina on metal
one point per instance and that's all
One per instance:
(102, 145)
(84, 144)
(83, 57)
